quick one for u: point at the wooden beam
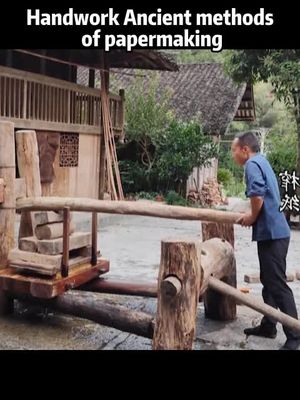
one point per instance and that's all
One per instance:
(127, 208)
(19, 284)
(131, 288)
(8, 206)
(29, 169)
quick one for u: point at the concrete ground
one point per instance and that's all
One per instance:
(132, 244)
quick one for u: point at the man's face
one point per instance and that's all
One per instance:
(239, 154)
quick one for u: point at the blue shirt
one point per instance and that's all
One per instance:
(261, 181)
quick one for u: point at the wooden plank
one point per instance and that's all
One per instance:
(18, 284)
(51, 231)
(53, 126)
(55, 246)
(46, 269)
(17, 255)
(20, 188)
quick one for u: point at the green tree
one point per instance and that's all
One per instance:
(179, 149)
(280, 67)
(146, 116)
(160, 152)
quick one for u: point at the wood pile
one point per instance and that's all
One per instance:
(210, 194)
(42, 252)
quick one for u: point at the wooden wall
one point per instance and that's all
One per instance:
(81, 181)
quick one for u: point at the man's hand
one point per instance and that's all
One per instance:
(246, 220)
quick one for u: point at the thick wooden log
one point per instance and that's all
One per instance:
(127, 208)
(8, 206)
(183, 277)
(131, 288)
(101, 311)
(29, 169)
(217, 259)
(178, 294)
(51, 231)
(254, 303)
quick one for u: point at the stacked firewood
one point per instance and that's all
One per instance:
(210, 194)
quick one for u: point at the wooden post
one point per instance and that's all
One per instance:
(94, 238)
(122, 113)
(102, 157)
(66, 243)
(29, 169)
(183, 277)
(178, 294)
(8, 206)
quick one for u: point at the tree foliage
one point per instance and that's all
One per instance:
(165, 150)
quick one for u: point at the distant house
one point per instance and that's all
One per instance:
(198, 91)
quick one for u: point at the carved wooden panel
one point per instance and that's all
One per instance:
(69, 150)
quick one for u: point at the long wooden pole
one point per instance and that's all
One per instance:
(253, 303)
(127, 208)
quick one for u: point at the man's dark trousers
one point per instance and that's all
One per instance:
(276, 292)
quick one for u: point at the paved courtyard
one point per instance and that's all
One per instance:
(132, 244)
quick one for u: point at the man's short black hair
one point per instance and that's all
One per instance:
(249, 139)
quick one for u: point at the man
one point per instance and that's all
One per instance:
(272, 233)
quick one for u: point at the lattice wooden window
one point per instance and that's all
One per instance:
(69, 150)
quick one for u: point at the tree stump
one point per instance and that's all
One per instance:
(178, 293)
(185, 269)
(217, 305)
